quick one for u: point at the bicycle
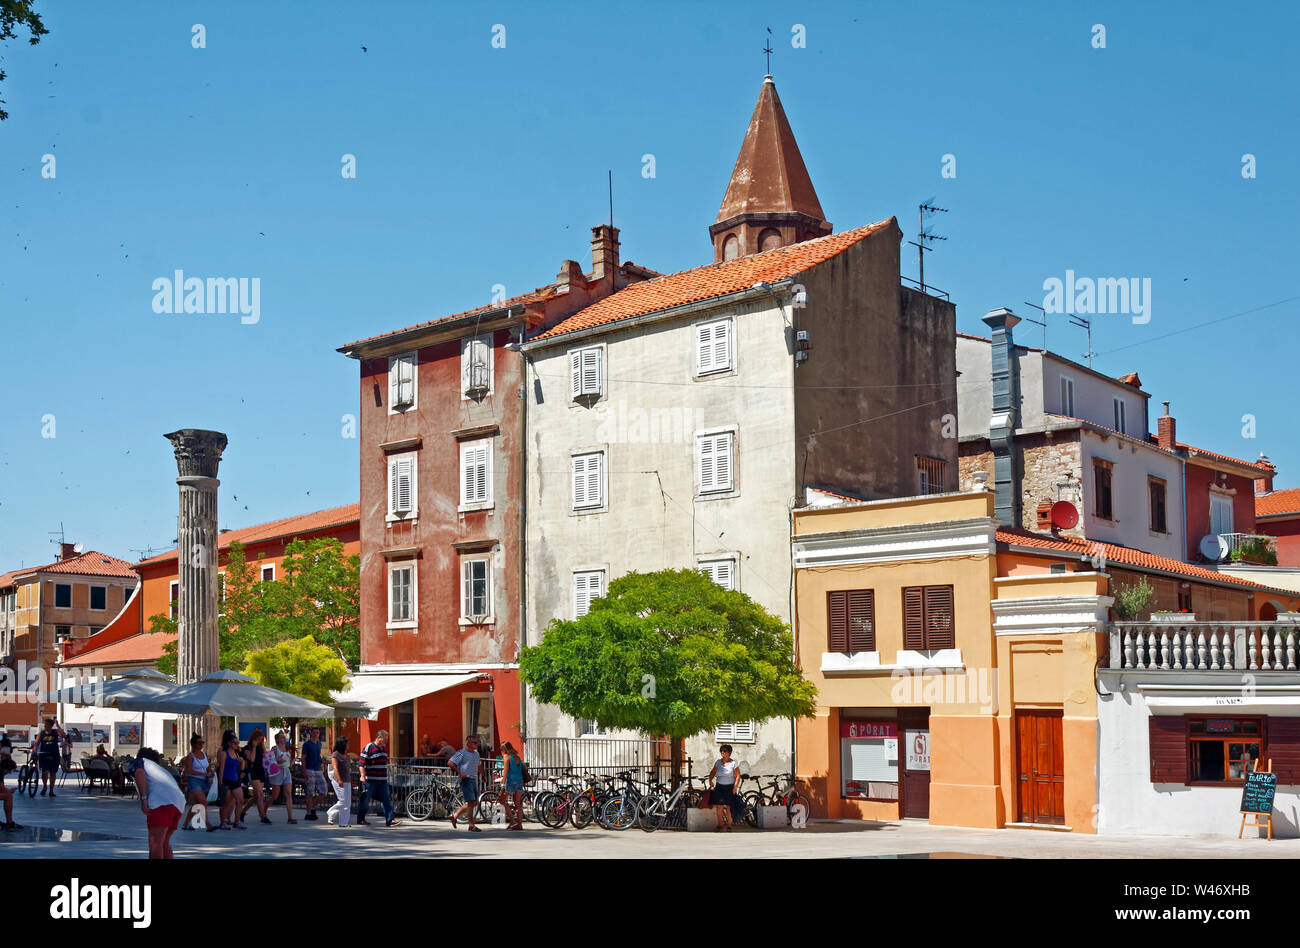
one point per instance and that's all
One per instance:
(620, 811)
(654, 809)
(438, 799)
(779, 791)
(29, 775)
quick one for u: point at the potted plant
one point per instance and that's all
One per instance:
(1132, 599)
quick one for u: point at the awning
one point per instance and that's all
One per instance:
(371, 692)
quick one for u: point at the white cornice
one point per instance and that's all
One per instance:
(1039, 615)
(913, 541)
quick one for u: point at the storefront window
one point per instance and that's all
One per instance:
(869, 760)
(1223, 749)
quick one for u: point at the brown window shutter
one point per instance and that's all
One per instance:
(939, 619)
(1283, 749)
(837, 635)
(913, 619)
(862, 620)
(1168, 741)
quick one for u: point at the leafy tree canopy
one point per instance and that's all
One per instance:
(301, 667)
(15, 15)
(669, 653)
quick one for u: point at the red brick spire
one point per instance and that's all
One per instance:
(770, 200)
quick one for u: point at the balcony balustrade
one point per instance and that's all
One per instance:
(1204, 646)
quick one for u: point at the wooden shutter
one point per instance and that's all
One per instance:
(704, 347)
(399, 485)
(587, 480)
(1282, 747)
(582, 593)
(862, 620)
(591, 374)
(723, 573)
(913, 619)
(474, 473)
(575, 373)
(939, 619)
(708, 469)
(837, 613)
(1168, 745)
(722, 345)
(722, 459)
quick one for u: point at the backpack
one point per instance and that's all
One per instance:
(528, 775)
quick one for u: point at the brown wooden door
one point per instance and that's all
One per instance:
(1041, 766)
(916, 780)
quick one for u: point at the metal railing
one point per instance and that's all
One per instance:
(1204, 646)
(594, 753)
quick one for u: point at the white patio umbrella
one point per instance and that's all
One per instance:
(229, 694)
(132, 683)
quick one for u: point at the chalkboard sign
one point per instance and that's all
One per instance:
(1257, 794)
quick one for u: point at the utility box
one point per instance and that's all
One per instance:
(701, 821)
(772, 817)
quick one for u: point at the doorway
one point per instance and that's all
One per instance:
(1041, 767)
(914, 754)
(405, 742)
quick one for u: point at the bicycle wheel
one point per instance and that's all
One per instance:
(651, 813)
(798, 808)
(419, 804)
(553, 809)
(753, 800)
(33, 781)
(491, 807)
(619, 813)
(582, 812)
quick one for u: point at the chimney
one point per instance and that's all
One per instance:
(604, 251)
(66, 551)
(570, 275)
(1264, 485)
(1005, 381)
(1166, 435)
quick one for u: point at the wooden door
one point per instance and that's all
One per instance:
(912, 724)
(1041, 765)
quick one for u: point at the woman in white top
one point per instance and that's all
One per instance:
(278, 761)
(161, 801)
(196, 770)
(722, 796)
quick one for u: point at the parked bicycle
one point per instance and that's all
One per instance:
(779, 791)
(656, 809)
(29, 775)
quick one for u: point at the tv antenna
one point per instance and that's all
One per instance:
(1038, 322)
(145, 553)
(1086, 325)
(926, 207)
(611, 198)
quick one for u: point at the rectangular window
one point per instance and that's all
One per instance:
(401, 485)
(476, 472)
(99, 597)
(401, 382)
(1067, 396)
(851, 621)
(714, 462)
(869, 759)
(585, 372)
(587, 585)
(928, 618)
(590, 727)
(268, 573)
(1120, 420)
(1220, 513)
(1101, 480)
(63, 595)
(62, 632)
(173, 595)
(1159, 521)
(929, 475)
(401, 592)
(588, 480)
(722, 572)
(738, 732)
(476, 589)
(476, 366)
(713, 347)
(1221, 750)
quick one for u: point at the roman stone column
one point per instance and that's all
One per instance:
(198, 453)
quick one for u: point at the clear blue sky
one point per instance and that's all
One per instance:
(478, 166)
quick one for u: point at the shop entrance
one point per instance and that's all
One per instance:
(1041, 766)
(914, 754)
(404, 745)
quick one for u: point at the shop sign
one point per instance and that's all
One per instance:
(1219, 726)
(918, 749)
(866, 730)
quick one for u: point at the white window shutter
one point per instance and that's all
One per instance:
(722, 461)
(467, 589)
(392, 485)
(591, 374)
(722, 345)
(480, 474)
(587, 472)
(708, 476)
(580, 480)
(575, 373)
(724, 574)
(595, 496)
(399, 485)
(704, 347)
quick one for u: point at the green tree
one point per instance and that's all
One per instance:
(18, 13)
(669, 653)
(302, 667)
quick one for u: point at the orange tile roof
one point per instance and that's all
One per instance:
(1263, 468)
(1268, 505)
(522, 300)
(712, 280)
(8, 578)
(1130, 379)
(90, 563)
(1122, 554)
(289, 526)
(143, 647)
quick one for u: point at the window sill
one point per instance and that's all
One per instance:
(476, 508)
(402, 625)
(402, 517)
(717, 494)
(714, 373)
(487, 620)
(585, 511)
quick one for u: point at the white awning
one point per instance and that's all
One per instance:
(371, 692)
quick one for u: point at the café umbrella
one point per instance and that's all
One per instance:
(228, 694)
(132, 683)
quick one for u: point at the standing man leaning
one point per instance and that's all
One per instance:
(313, 776)
(464, 763)
(374, 775)
(48, 754)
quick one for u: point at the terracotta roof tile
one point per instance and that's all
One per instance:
(144, 647)
(289, 526)
(1268, 505)
(712, 280)
(1130, 379)
(1263, 468)
(90, 563)
(522, 300)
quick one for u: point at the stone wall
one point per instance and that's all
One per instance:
(1046, 459)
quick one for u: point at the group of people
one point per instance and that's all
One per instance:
(252, 776)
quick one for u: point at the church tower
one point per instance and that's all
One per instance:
(770, 201)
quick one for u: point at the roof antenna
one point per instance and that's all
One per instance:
(1041, 322)
(926, 207)
(611, 198)
(768, 50)
(1086, 325)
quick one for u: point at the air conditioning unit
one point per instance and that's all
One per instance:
(476, 380)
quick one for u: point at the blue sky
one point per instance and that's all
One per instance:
(479, 165)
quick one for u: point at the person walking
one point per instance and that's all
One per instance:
(230, 769)
(6, 795)
(464, 763)
(255, 772)
(513, 780)
(723, 797)
(312, 776)
(278, 761)
(161, 801)
(341, 776)
(48, 754)
(374, 771)
(197, 771)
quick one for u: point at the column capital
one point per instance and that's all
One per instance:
(198, 452)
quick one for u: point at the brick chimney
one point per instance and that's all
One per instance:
(1264, 485)
(1166, 435)
(604, 252)
(66, 551)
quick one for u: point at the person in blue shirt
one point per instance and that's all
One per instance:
(464, 763)
(312, 775)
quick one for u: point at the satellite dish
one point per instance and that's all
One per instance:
(78, 547)
(1214, 547)
(1064, 515)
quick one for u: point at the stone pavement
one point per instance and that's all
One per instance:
(121, 816)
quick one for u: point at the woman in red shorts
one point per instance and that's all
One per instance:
(161, 801)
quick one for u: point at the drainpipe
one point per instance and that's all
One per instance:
(1005, 378)
(523, 525)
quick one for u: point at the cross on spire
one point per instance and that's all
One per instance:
(768, 50)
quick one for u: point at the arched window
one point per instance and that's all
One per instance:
(769, 239)
(730, 247)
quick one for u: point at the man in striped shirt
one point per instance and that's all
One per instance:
(374, 778)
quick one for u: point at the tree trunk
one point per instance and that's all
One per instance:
(675, 759)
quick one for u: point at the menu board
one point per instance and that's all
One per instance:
(1257, 793)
